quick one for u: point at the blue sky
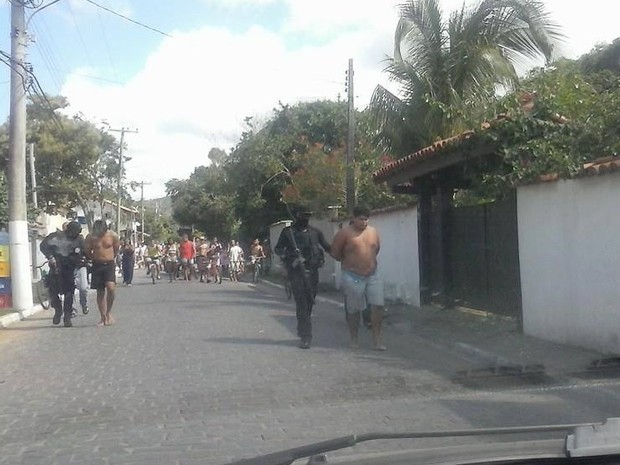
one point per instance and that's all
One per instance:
(226, 59)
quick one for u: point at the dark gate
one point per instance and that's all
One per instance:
(474, 257)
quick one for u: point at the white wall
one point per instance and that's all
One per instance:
(569, 252)
(399, 259)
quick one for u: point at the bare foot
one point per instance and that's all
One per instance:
(379, 347)
(101, 323)
(109, 321)
(354, 345)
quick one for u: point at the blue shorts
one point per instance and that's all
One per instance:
(361, 291)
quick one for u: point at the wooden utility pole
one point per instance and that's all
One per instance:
(18, 221)
(120, 175)
(142, 184)
(350, 167)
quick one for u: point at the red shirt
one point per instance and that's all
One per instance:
(187, 250)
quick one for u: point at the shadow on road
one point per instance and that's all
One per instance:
(254, 341)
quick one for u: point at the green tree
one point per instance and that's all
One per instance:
(203, 200)
(159, 227)
(448, 69)
(572, 119)
(76, 162)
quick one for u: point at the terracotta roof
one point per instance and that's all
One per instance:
(427, 152)
(599, 166)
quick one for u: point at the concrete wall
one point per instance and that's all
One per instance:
(569, 254)
(399, 259)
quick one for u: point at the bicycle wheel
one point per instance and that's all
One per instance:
(255, 274)
(153, 269)
(42, 294)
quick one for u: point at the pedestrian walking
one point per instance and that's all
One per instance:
(357, 246)
(102, 247)
(128, 262)
(300, 246)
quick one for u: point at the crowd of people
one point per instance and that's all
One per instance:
(201, 259)
(301, 248)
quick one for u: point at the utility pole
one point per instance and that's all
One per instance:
(142, 184)
(18, 221)
(120, 175)
(35, 204)
(33, 176)
(350, 168)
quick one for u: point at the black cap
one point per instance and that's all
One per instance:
(74, 228)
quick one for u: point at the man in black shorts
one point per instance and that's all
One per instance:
(102, 247)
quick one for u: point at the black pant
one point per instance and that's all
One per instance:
(303, 286)
(60, 283)
(127, 265)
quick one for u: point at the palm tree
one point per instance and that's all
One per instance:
(449, 71)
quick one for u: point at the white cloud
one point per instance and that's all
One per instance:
(196, 89)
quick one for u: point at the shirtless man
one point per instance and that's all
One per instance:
(357, 246)
(102, 247)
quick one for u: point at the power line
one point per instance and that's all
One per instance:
(107, 46)
(77, 29)
(47, 56)
(32, 85)
(127, 18)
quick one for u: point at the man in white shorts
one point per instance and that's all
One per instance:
(357, 246)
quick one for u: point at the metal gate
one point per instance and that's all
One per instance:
(474, 261)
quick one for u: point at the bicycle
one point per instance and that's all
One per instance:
(152, 265)
(257, 263)
(40, 290)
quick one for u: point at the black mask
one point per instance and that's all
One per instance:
(302, 221)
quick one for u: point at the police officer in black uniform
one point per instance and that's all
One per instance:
(299, 247)
(65, 252)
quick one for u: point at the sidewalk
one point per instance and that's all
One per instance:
(9, 316)
(493, 344)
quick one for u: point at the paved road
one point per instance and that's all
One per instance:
(204, 374)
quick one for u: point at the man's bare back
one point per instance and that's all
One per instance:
(102, 248)
(357, 247)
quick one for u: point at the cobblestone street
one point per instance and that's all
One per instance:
(205, 374)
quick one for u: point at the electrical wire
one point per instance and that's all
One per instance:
(32, 85)
(39, 9)
(47, 56)
(77, 29)
(107, 45)
(127, 18)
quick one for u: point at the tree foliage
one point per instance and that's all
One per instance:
(575, 118)
(448, 69)
(76, 162)
(296, 157)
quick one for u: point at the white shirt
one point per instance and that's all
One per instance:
(235, 253)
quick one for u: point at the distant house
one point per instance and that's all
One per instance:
(47, 223)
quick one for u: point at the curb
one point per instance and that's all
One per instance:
(19, 315)
(317, 298)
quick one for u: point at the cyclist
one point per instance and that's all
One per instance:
(187, 253)
(236, 260)
(202, 260)
(172, 257)
(257, 254)
(153, 255)
(215, 250)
